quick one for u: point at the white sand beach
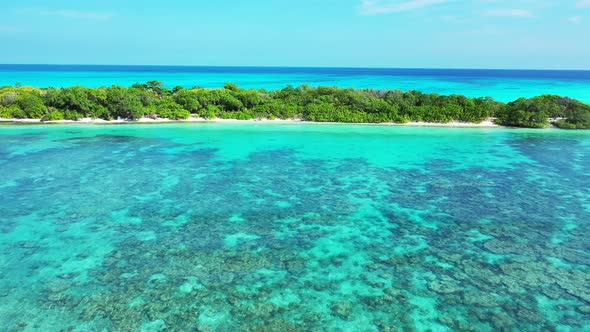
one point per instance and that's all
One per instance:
(489, 123)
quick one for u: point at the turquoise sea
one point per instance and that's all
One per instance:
(502, 85)
(291, 227)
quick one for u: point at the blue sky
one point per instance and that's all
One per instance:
(355, 33)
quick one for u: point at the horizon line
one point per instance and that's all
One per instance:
(276, 66)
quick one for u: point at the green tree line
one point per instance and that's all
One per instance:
(321, 104)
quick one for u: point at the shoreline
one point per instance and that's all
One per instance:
(152, 102)
(89, 121)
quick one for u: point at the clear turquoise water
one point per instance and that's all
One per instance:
(246, 227)
(503, 85)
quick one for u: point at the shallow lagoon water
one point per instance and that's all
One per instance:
(262, 227)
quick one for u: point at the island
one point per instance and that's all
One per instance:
(316, 104)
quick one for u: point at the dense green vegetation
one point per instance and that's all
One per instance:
(536, 112)
(312, 104)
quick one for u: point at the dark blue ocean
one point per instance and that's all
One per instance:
(503, 85)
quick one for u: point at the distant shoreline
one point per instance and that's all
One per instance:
(454, 124)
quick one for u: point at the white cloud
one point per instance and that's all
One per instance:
(78, 14)
(583, 3)
(374, 7)
(510, 13)
(575, 19)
